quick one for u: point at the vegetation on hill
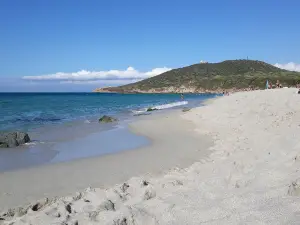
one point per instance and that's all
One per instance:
(230, 74)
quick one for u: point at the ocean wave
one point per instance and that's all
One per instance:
(160, 107)
(171, 105)
(30, 143)
(34, 143)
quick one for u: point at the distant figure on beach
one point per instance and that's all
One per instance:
(225, 93)
(278, 84)
(270, 85)
(181, 96)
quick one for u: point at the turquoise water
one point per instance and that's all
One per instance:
(64, 126)
(23, 111)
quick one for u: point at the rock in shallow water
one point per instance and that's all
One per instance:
(13, 139)
(151, 109)
(186, 109)
(107, 119)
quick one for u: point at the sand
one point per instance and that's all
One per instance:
(251, 175)
(179, 148)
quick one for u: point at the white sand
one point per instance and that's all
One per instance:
(251, 177)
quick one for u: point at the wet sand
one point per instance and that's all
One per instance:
(173, 144)
(65, 142)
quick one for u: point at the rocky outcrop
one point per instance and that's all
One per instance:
(151, 109)
(185, 109)
(13, 139)
(107, 119)
(172, 89)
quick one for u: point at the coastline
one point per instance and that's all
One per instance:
(250, 175)
(25, 186)
(171, 90)
(63, 142)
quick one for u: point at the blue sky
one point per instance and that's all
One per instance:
(66, 45)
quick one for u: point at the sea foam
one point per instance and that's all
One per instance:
(161, 107)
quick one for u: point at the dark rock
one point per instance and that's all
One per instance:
(13, 139)
(107, 119)
(68, 208)
(40, 204)
(145, 183)
(186, 109)
(35, 207)
(151, 109)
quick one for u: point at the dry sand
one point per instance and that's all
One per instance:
(251, 176)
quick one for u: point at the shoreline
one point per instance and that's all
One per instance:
(173, 90)
(63, 142)
(249, 174)
(59, 179)
(91, 109)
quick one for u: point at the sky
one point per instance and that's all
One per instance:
(66, 45)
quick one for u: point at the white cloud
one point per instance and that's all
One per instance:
(84, 75)
(99, 82)
(289, 66)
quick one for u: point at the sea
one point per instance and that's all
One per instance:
(64, 126)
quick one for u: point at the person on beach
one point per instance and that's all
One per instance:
(225, 93)
(181, 96)
(278, 85)
(269, 85)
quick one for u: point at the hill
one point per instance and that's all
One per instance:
(212, 77)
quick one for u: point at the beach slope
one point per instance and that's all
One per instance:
(251, 176)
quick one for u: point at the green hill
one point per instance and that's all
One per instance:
(229, 74)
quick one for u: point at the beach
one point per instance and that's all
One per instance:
(235, 160)
(24, 186)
